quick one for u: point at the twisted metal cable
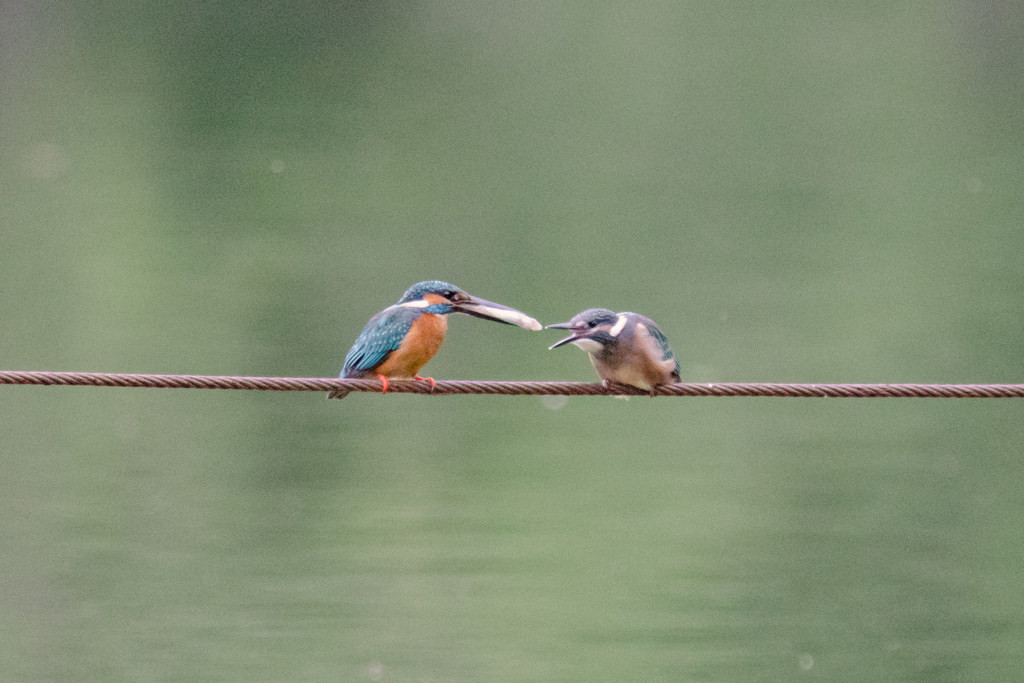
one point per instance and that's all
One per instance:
(452, 387)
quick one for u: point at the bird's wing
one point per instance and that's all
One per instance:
(380, 338)
(661, 340)
(662, 343)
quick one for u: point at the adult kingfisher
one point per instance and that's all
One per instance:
(399, 340)
(626, 348)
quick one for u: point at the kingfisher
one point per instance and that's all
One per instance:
(399, 340)
(626, 348)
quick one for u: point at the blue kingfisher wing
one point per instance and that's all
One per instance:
(662, 340)
(380, 338)
(659, 336)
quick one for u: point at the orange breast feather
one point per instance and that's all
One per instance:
(420, 344)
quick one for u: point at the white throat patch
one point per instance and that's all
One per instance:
(588, 345)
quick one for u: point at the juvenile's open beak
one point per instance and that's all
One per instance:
(567, 340)
(488, 310)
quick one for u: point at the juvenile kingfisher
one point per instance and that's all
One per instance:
(399, 340)
(626, 348)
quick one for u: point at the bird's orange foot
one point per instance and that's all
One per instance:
(384, 381)
(433, 384)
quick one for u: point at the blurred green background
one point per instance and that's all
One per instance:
(796, 192)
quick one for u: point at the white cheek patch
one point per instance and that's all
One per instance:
(415, 304)
(588, 345)
(621, 323)
(509, 316)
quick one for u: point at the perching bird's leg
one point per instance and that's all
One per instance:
(610, 386)
(384, 381)
(433, 384)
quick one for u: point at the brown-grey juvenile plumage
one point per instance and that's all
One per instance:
(626, 348)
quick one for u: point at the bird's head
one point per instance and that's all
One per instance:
(442, 298)
(592, 330)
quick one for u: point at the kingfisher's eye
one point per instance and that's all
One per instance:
(592, 323)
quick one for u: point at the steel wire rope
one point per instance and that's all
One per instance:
(464, 387)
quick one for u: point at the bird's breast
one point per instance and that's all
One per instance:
(636, 361)
(424, 338)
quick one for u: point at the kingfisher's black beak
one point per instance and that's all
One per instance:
(488, 310)
(567, 340)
